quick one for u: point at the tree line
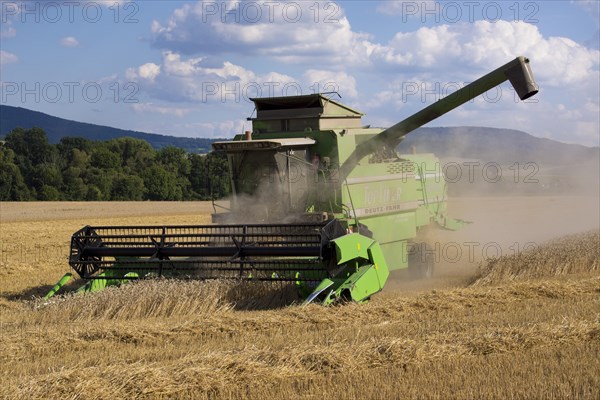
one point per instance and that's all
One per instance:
(119, 169)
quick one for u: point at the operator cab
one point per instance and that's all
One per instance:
(274, 168)
(270, 178)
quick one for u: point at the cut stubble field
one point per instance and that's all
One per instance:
(523, 325)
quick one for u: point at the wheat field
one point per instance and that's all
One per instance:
(523, 325)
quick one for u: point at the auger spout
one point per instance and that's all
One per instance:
(517, 71)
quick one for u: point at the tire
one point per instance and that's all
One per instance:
(421, 261)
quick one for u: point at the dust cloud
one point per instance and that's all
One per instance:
(513, 204)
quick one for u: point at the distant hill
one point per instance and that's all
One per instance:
(56, 128)
(504, 146)
(545, 166)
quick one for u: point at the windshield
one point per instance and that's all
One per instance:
(270, 184)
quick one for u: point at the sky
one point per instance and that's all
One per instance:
(190, 68)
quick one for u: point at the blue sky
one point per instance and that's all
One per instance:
(188, 68)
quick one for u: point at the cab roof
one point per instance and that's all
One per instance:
(312, 104)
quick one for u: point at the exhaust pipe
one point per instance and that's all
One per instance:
(521, 78)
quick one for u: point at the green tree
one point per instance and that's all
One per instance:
(99, 183)
(47, 174)
(127, 187)
(74, 188)
(49, 193)
(12, 184)
(31, 146)
(104, 158)
(136, 154)
(199, 181)
(175, 160)
(79, 158)
(69, 143)
(93, 193)
(34, 156)
(218, 175)
(118, 169)
(209, 176)
(161, 184)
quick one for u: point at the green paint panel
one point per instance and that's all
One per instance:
(63, 281)
(351, 247)
(362, 284)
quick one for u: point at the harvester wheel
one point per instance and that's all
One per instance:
(421, 261)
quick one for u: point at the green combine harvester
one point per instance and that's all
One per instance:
(319, 201)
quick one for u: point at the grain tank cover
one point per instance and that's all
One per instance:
(311, 112)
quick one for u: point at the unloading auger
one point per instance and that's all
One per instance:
(318, 200)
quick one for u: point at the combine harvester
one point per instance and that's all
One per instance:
(318, 200)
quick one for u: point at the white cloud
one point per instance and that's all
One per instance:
(191, 79)
(331, 81)
(69, 41)
(209, 27)
(8, 32)
(148, 71)
(7, 58)
(425, 47)
(471, 48)
(206, 28)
